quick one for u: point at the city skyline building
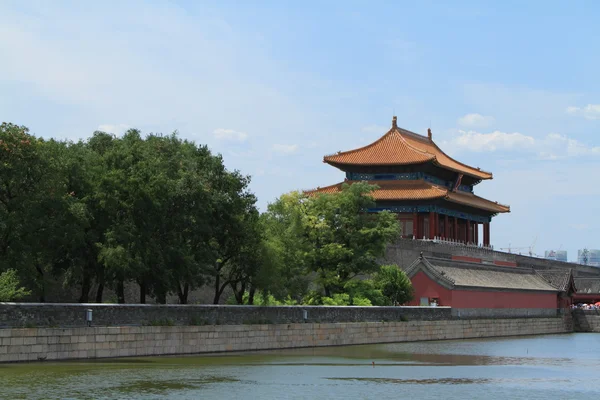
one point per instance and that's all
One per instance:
(558, 255)
(589, 257)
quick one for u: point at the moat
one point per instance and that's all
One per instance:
(542, 367)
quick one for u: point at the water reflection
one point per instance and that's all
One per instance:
(561, 366)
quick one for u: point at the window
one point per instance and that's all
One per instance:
(407, 227)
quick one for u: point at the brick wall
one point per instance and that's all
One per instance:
(98, 342)
(586, 320)
(73, 315)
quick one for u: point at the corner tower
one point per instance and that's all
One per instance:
(431, 192)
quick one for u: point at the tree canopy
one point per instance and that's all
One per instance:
(165, 214)
(159, 211)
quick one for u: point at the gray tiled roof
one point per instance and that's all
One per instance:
(559, 278)
(587, 285)
(453, 273)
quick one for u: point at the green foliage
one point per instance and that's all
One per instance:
(338, 299)
(166, 214)
(10, 289)
(365, 289)
(263, 299)
(328, 236)
(159, 211)
(361, 301)
(395, 285)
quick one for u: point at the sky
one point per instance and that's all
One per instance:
(511, 87)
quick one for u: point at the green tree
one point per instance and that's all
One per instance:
(394, 284)
(345, 241)
(10, 289)
(288, 246)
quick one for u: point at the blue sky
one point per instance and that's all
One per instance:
(508, 86)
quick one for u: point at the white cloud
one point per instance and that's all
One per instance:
(476, 121)
(285, 148)
(230, 135)
(580, 227)
(591, 111)
(114, 129)
(553, 146)
(479, 142)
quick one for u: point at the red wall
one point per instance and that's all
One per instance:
(425, 287)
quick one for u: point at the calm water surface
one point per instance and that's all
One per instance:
(543, 367)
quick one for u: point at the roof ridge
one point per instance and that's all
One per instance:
(473, 195)
(495, 267)
(389, 132)
(400, 182)
(438, 274)
(428, 140)
(459, 162)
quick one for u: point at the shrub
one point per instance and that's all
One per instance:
(9, 286)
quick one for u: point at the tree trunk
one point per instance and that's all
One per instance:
(121, 291)
(183, 294)
(239, 294)
(217, 292)
(143, 291)
(161, 297)
(85, 289)
(100, 292)
(41, 283)
(251, 295)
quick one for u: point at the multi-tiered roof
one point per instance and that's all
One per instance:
(408, 167)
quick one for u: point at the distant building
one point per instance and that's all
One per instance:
(558, 255)
(589, 257)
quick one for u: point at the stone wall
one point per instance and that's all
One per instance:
(405, 251)
(73, 315)
(471, 313)
(586, 320)
(98, 342)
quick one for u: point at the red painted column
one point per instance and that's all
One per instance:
(486, 234)
(431, 224)
(469, 238)
(455, 228)
(476, 233)
(415, 225)
(446, 227)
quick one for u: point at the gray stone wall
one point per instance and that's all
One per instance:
(586, 320)
(471, 313)
(73, 315)
(35, 344)
(405, 251)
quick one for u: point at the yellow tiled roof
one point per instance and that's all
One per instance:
(401, 147)
(419, 190)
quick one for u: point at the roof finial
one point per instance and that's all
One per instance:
(429, 133)
(394, 122)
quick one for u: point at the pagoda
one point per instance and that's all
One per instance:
(431, 193)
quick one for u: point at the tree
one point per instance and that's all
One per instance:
(345, 241)
(9, 286)
(394, 284)
(288, 246)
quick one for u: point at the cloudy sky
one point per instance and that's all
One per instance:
(274, 86)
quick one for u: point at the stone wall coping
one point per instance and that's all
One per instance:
(216, 306)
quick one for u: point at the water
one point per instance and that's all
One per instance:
(542, 367)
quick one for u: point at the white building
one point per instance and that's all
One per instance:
(589, 257)
(558, 255)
